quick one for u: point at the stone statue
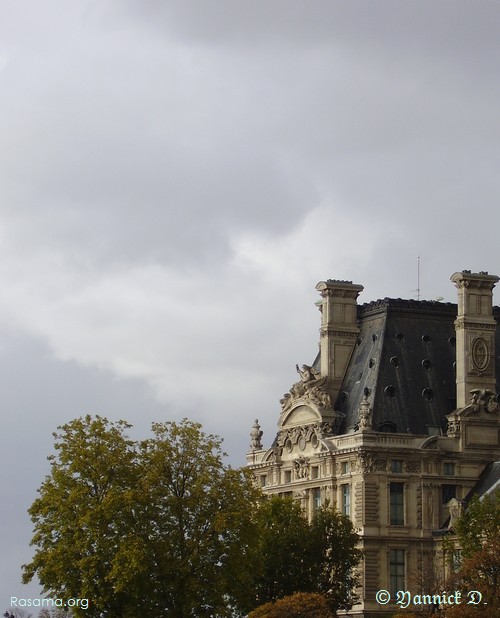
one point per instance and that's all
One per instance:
(301, 466)
(306, 373)
(309, 388)
(484, 400)
(455, 508)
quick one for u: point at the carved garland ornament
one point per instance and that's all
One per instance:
(413, 466)
(368, 463)
(301, 435)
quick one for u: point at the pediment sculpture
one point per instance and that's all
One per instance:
(310, 389)
(301, 467)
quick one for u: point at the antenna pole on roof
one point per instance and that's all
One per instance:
(418, 278)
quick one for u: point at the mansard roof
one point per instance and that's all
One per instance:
(404, 361)
(488, 482)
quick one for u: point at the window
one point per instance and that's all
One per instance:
(387, 427)
(397, 507)
(344, 467)
(316, 498)
(396, 465)
(396, 570)
(288, 476)
(346, 500)
(449, 469)
(314, 472)
(263, 480)
(448, 492)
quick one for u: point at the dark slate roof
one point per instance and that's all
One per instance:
(404, 359)
(489, 477)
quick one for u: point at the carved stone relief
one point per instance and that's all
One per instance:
(310, 388)
(380, 465)
(367, 462)
(455, 508)
(413, 466)
(303, 434)
(484, 400)
(453, 429)
(480, 355)
(301, 467)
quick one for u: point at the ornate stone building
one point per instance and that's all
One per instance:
(394, 423)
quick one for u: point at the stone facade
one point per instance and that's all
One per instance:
(393, 423)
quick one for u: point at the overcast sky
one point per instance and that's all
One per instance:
(175, 178)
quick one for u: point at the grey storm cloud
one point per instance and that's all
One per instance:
(175, 177)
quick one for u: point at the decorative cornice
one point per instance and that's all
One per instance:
(339, 289)
(330, 332)
(461, 323)
(478, 281)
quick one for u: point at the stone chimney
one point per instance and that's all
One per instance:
(339, 329)
(475, 333)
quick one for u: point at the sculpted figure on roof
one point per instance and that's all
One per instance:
(306, 373)
(484, 400)
(309, 388)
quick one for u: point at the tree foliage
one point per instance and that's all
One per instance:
(335, 557)
(284, 549)
(299, 605)
(320, 556)
(80, 517)
(478, 531)
(197, 525)
(161, 527)
(479, 524)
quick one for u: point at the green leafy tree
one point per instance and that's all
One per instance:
(54, 613)
(336, 557)
(160, 528)
(285, 550)
(479, 524)
(478, 531)
(80, 517)
(19, 612)
(298, 556)
(299, 605)
(197, 525)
